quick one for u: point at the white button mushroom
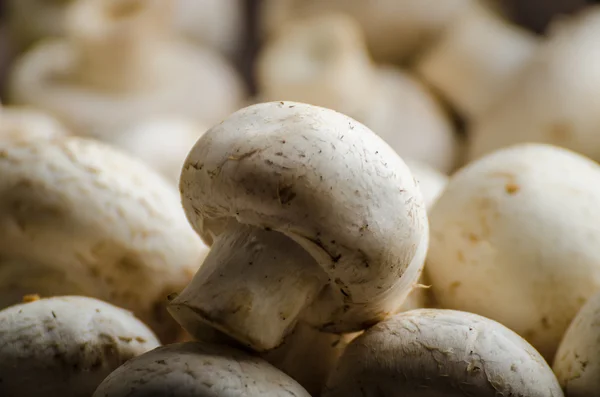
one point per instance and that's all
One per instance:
(27, 123)
(514, 237)
(475, 59)
(66, 346)
(195, 369)
(76, 216)
(311, 217)
(577, 361)
(120, 65)
(395, 29)
(431, 353)
(552, 100)
(322, 60)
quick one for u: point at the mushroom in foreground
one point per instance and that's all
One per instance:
(295, 201)
(119, 64)
(66, 346)
(323, 60)
(195, 369)
(514, 237)
(431, 352)
(78, 217)
(577, 361)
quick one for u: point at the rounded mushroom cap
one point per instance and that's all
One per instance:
(87, 214)
(66, 346)
(329, 184)
(513, 238)
(552, 99)
(431, 181)
(576, 363)
(26, 123)
(429, 353)
(195, 369)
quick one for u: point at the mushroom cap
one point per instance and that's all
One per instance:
(431, 181)
(195, 369)
(85, 213)
(576, 363)
(326, 182)
(28, 123)
(514, 237)
(428, 352)
(66, 346)
(553, 98)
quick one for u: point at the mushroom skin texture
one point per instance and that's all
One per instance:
(576, 364)
(475, 59)
(430, 353)
(79, 217)
(505, 245)
(26, 123)
(195, 369)
(551, 100)
(395, 29)
(66, 346)
(322, 60)
(295, 201)
(119, 65)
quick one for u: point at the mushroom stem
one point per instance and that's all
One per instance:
(253, 286)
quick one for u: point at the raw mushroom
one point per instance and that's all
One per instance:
(427, 353)
(162, 143)
(296, 201)
(577, 363)
(475, 59)
(77, 217)
(26, 123)
(552, 100)
(322, 60)
(120, 65)
(431, 181)
(514, 237)
(66, 346)
(219, 24)
(395, 29)
(195, 369)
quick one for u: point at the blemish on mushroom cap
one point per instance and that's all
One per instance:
(317, 159)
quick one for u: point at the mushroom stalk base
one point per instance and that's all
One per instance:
(253, 286)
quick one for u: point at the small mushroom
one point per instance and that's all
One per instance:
(195, 369)
(119, 65)
(514, 237)
(577, 361)
(27, 123)
(552, 99)
(428, 352)
(475, 59)
(78, 217)
(395, 29)
(295, 201)
(322, 60)
(66, 346)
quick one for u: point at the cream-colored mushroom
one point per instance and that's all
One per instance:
(77, 217)
(195, 369)
(296, 201)
(577, 361)
(119, 65)
(322, 60)
(427, 353)
(395, 29)
(552, 100)
(514, 237)
(475, 59)
(66, 346)
(27, 123)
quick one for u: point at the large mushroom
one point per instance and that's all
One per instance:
(120, 64)
(195, 369)
(296, 201)
(514, 237)
(323, 60)
(66, 346)
(78, 217)
(427, 353)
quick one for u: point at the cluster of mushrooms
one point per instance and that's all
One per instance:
(408, 205)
